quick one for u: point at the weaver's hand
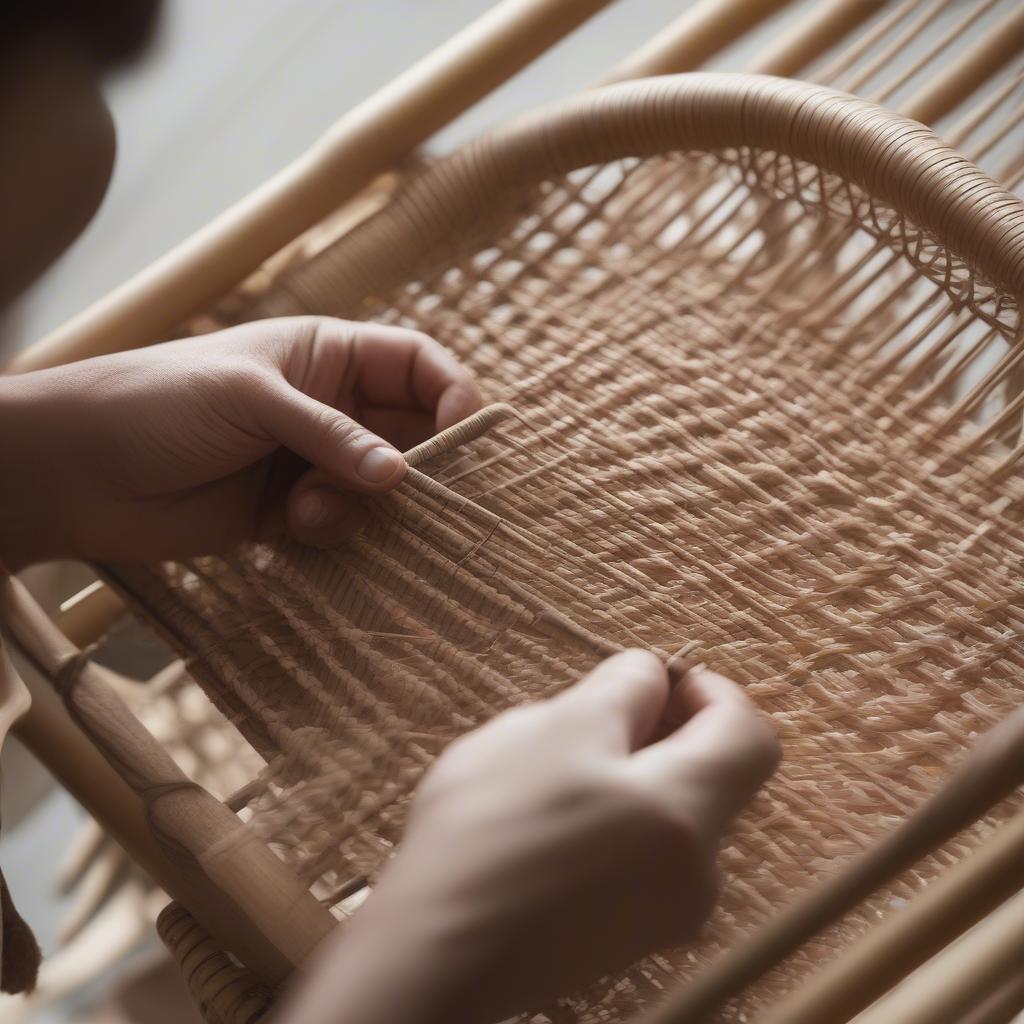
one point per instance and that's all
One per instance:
(192, 446)
(559, 842)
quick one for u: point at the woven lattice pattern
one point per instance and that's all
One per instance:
(759, 418)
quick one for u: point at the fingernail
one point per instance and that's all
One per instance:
(312, 510)
(379, 465)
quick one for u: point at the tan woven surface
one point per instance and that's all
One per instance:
(762, 346)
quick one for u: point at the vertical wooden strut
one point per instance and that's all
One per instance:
(1002, 42)
(370, 139)
(699, 33)
(195, 847)
(813, 36)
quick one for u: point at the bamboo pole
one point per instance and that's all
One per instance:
(912, 935)
(814, 36)
(696, 35)
(370, 139)
(48, 731)
(193, 845)
(993, 769)
(971, 69)
(962, 977)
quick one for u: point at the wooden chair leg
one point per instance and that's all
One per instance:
(197, 848)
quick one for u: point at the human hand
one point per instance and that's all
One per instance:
(192, 446)
(561, 841)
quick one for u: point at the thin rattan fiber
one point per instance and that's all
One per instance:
(757, 348)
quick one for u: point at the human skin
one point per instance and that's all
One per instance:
(192, 446)
(560, 841)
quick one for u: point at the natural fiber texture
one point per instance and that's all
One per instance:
(762, 347)
(224, 992)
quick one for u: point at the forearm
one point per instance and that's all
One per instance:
(379, 969)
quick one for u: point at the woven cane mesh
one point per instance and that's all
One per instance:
(757, 410)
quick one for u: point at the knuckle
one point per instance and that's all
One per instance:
(339, 430)
(332, 330)
(650, 807)
(236, 371)
(644, 658)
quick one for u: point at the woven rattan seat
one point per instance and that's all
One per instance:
(756, 350)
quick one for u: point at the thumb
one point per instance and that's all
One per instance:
(336, 444)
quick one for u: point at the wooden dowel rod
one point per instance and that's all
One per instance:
(812, 37)
(192, 844)
(696, 35)
(974, 67)
(1002, 1007)
(910, 936)
(372, 138)
(994, 768)
(866, 43)
(963, 976)
(980, 114)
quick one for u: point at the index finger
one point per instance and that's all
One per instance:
(401, 368)
(715, 761)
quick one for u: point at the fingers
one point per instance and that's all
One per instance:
(403, 369)
(401, 384)
(345, 450)
(366, 365)
(715, 762)
(621, 700)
